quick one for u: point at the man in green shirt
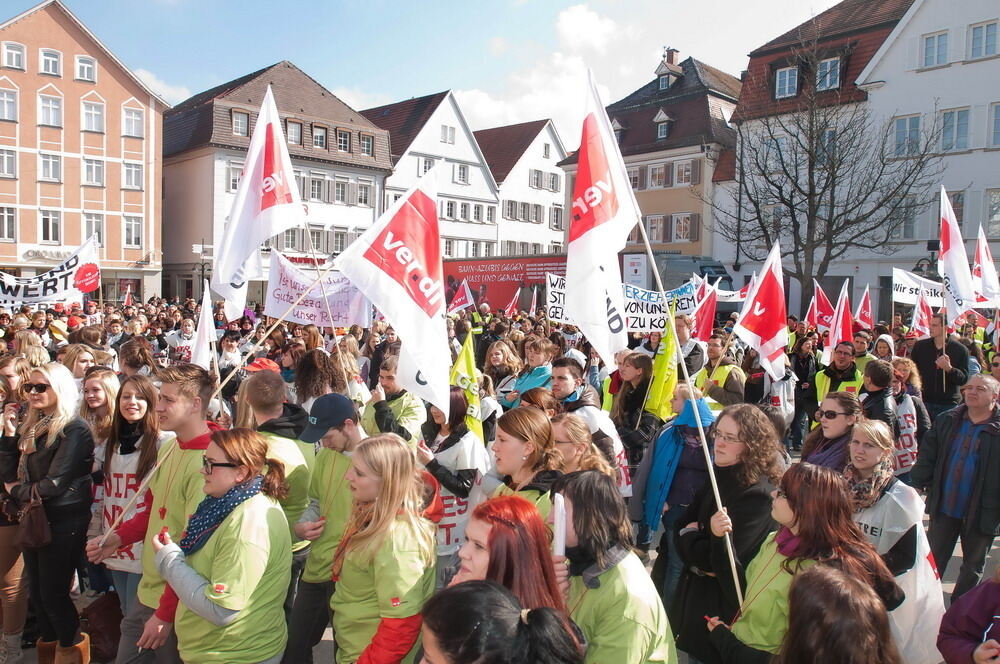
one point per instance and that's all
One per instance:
(391, 408)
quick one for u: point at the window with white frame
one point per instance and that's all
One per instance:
(132, 123)
(51, 62)
(525, 212)
(367, 142)
(462, 174)
(241, 123)
(957, 199)
(555, 182)
(93, 116)
(536, 248)
(365, 194)
(13, 55)
(955, 129)
(681, 228)
(536, 213)
(656, 176)
(477, 213)
(633, 177)
(510, 210)
(682, 173)
(93, 224)
(234, 172)
(447, 134)
(993, 213)
(662, 130)
(546, 151)
(426, 164)
(291, 239)
(905, 216)
(491, 214)
(463, 211)
(51, 221)
(474, 249)
(654, 228)
(86, 68)
(50, 110)
(935, 50)
(316, 238)
(995, 125)
(556, 247)
(487, 249)
(316, 189)
(827, 147)
(50, 167)
(133, 232)
(133, 175)
(343, 140)
(907, 135)
(319, 137)
(339, 241)
(8, 164)
(8, 105)
(522, 247)
(983, 40)
(93, 172)
(535, 178)
(556, 217)
(786, 82)
(340, 188)
(828, 74)
(8, 224)
(449, 210)
(449, 248)
(294, 132)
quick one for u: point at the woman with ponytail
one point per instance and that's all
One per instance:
(481, 621)
(231, 568)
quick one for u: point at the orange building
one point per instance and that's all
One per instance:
(80, 153)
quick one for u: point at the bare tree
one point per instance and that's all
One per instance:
(825, 178)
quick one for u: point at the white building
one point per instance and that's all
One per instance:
(523, 159)
(431, 131)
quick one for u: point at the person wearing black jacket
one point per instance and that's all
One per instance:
(389, 346)
(628, 411)
(803, 363)
(50, 455)
(943, 365)
(878, 402)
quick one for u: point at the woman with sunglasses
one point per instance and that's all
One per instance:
(746, 466)
(49, 457)
(231, 566)
(827, 444)
(891, 516)
(814, 511)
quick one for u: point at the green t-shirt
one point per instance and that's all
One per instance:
(623, 618)
(541, 500)
(394, 583)
(178, 487)
(247, 563)
(409, 411)
(298, 468)
(329, 488)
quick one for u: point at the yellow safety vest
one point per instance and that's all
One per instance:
(823, 384)
(607, 399)
(721, 376)
(479, 322)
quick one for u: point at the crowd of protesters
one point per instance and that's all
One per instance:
(233, 514)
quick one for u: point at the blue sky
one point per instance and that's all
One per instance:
(508, 60)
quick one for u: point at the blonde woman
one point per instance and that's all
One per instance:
(526, 457)
(502, 364)
(36, 356)
(25, 339)
(50, 457)
(575, 444)
(78, 358)
(384, 565)
(353, 359)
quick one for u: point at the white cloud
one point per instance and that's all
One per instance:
(359, 100)
(497, 45)
(173, 94)
(580, 28)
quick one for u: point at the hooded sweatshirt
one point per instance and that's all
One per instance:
(290, 424)
(892, 347)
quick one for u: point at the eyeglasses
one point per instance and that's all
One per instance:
(38, 388)
(996, 364)
(726, 438)
(210, 465)
(828, 414)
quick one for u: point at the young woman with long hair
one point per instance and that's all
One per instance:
(814, 511)
(78, 358)
(316, 374)
(25, 339)
(611, 597)
(50, 456)
(502, 363)
(542, 399)
(910, 376)
(526, 457)
(507, 542)
(827, 444)
(16, 370)
(349, 349)
(636, 427)
(576, 445)
(746, 452)
(13, 593)
(313, 338)
(136, 358)
(481, 621)
(537, 371)
(100, 387)
(231, 566)
(384, 564)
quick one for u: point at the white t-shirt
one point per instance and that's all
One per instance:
(468, 453)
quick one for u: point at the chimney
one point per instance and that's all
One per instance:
(671, 56)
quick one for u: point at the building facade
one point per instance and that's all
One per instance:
(524, 161)
(432, 132)
(80, 153)
(340, 161)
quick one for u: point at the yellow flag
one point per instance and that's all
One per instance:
(661, 391)
(463, 375)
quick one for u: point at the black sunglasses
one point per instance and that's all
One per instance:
(828, 414)
(38, 388)
(209, 465)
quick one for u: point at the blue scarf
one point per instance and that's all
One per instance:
(213, 511)
(666, 459)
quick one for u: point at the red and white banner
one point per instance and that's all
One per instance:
(840, 326)
(534, 301)
(953, 264)
(204, 335)
(762, 323)
(511, 309)
(397, 264)
(984, 273)
(921, 323)
(863, 318)
(127, 301)
(604, 211)
(824, 308)
(703, 316)
(267, 203)
(463, 298)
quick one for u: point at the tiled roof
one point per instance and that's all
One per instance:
(725, 167)
(404, 120)
(844, 18)
(698, 78)
(503, 146)
(206, 118)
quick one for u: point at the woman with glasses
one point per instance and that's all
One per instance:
(49, 457)
(746, 466)
(576, 445)
(827, 444)
(231, 566)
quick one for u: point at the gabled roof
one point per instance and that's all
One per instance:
(697, 78)
(404, 119)
(83, 27)
(503, 146)
(889, 41)
(841, 19)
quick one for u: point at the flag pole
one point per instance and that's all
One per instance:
(697, 416)
(322, 286)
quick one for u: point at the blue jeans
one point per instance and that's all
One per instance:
(668, 567)
(126, 585)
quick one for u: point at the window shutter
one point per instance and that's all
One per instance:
(695, 232)
(642, 178)
(352, 193)
(696, 171)
(556, 182)
(668, 174)
(328, 191)
(668, 228)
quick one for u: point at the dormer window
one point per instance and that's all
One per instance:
(786, 82)
(618, 129)
(664, 82)
(662, 121)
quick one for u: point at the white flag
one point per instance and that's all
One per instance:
(984, 273)
(397, 264)
(953, 264)
(201, 348)
(604, 211)
(267, 203)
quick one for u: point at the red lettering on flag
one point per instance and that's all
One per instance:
(594, 198)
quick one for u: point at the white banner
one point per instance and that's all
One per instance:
(644, 309)
(286, 283)
(906, 286)
(66, 282)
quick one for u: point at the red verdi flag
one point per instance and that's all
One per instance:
(922, 312)
(984, 273)
(463, 298)
(824, 308)
(953, 264)
(511, 309)
(841, 328)
(703, 315)
(864, 318)
(762, 323)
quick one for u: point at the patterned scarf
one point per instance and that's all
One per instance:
(361, 516)
(866, 492)
(212, 511)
